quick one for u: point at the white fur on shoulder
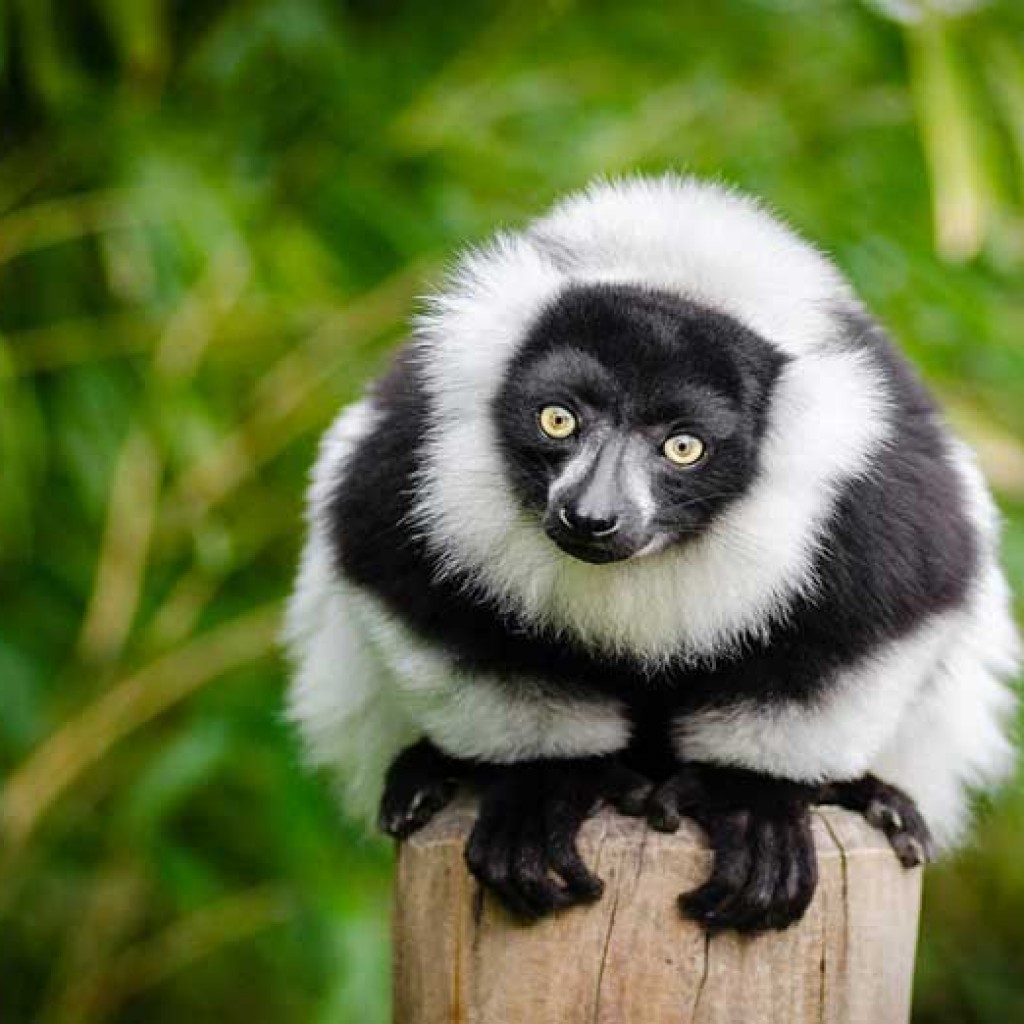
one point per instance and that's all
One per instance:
(474, 715)
(834, 738)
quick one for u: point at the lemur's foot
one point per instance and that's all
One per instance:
(764, 871)
(419, 783)
(523, 845)
(890, 810)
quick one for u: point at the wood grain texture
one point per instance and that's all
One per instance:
(631, 958)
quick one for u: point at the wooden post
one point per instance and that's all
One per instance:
(631, 958)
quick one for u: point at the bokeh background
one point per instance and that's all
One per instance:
(215, 219)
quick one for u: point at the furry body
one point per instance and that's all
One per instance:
(837, 611)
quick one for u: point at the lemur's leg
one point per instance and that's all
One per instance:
(889, 809)
(523, 845)
(764, 871)
(420, 781)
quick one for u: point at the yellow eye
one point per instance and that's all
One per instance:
(557, 422)
(684, 449)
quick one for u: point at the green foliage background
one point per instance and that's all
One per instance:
(214, 220)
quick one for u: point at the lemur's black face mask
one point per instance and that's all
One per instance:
(631, 418)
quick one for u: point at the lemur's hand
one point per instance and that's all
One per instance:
(764, 871)
(889, 809)
(420, 781)
(523, 844)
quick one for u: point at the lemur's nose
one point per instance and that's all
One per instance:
(586, 526)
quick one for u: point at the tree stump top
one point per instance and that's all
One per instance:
(631, 958)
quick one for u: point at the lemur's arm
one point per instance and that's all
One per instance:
(542, 762)
(801, 730)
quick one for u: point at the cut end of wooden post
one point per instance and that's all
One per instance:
(632, 959)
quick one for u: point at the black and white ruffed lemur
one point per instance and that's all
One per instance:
(649, 511)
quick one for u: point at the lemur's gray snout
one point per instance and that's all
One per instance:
(588, 526)
(598, 537)
(590, 515)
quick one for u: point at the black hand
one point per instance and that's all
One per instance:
(764, 871)
(890, 810)
(523, 844)
(420, 781)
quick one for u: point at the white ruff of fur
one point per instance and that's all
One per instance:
(828, 416)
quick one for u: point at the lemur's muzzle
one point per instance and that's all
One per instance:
(594, 509)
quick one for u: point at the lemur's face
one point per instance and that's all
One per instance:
(630, 418)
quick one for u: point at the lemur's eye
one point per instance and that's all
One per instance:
(558, 422)
(684, 449)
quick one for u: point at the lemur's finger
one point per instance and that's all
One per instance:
(581, 884)
(487, 854)
(746, 906)
(797, 883)
(732, 851)
(752, 908)
(669, 802)
(789, 886)
(535, 888)
(907, 832)
(893, 812)
(781, 894)
(489, 857)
